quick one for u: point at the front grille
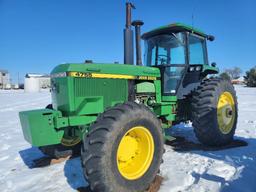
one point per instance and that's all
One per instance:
(111, 89)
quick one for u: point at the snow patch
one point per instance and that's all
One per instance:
(189, 171)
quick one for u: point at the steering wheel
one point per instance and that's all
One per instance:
(163, 60)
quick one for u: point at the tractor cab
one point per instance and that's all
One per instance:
(180, 52)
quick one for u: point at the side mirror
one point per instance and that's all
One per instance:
(210, 37)
(213, 64)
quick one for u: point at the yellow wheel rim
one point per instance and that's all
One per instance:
(226, 112)
(71, 141)
(135, 153)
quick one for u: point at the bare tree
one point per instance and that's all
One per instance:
(234, 73)
(225, 76)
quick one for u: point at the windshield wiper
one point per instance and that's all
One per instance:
(183, 44)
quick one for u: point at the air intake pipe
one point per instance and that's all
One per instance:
(137, 25)
(128, 36)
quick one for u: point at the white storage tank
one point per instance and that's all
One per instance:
(31, 84)
(8, 86)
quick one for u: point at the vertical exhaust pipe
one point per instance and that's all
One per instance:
(137, 25)
(128, 35)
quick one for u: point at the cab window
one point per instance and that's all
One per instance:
(165, 49)
(197, 50)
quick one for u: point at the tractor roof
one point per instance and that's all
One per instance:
(175, 27)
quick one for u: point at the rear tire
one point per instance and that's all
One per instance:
(104, 153)
(214, 112)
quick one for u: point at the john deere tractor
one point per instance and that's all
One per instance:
(116, 114)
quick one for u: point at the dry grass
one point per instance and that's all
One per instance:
(155, 186)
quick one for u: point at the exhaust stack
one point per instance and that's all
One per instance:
(137, 25)
(128, 35)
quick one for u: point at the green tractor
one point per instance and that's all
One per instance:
(116, 115)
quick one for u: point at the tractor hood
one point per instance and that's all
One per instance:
(102, 70)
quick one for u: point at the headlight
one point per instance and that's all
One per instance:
(191, 69)
(198, 68)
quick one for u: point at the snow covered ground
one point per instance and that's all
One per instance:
(196, 170)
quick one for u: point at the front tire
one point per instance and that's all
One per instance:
(123, 150)
(58, 151)
(67, 147)
(214, 112)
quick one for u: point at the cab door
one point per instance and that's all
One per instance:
(197, 57)
(168, 53)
